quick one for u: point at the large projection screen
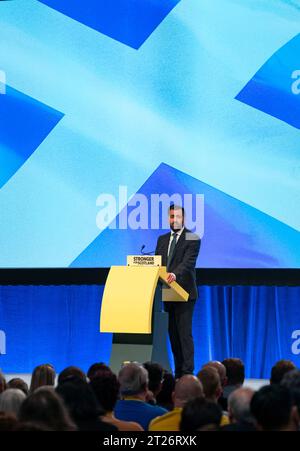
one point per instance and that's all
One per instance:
(110, 110)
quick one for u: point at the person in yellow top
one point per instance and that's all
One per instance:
(187, 387)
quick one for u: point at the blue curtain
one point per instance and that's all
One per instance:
(253, 323)
(60, 325)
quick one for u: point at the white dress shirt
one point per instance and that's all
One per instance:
(177, 237)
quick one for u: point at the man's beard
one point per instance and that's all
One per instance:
(176, 227)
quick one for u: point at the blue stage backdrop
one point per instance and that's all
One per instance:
(60, 325)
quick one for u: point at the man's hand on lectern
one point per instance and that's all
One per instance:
(171, 277)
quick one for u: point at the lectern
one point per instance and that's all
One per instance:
(132, 310)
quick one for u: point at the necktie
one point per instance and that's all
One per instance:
(172, 249)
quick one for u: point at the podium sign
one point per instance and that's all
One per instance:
(143, 260)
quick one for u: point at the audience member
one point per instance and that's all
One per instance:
(42, 375)
(71, 372)
(164, 398)
(221, 371)
(97, 369)
(188, 387)
(280, 369)
(106, 389)
(291, 380)
(45, 407)
(11, 400)
(239, 413)
(200, 414)
(223, 379)
(83, 406)
(133, 379)
(210, 379)
(18, 383)
(235, 373)
(272, 407)
(155, 378)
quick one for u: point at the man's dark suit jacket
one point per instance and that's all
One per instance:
(183, 261)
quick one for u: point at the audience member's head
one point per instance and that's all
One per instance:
(210, 380)
(43, 375)
(80, 400)
(280, 369)
(164, 397)
(200, 414)
(11, 400)
(155, 376)
(98, 369)
(106, 389)
(235, 371)
(70, 373)
(45, 407)
(133, 379)
(272, 407)
(2, 383)
(221, 370)
(16, 382)
(188, 387)
(291, 380)
(239, 405)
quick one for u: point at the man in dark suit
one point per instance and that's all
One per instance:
(179, 250)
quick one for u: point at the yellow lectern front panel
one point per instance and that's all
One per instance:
(128, 299)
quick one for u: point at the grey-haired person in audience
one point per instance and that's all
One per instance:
(132, 406)
(239, 413)
(11, 400)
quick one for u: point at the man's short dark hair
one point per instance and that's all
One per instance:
(97, 369)
(106, 389)
(198, 413)
(271, 406)
(16, 382)
(235, 371)
(79, 399)
(164, 397)
(70, 373)
(291, 380)
(176, 207)
(155, 375)
(280, 369)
